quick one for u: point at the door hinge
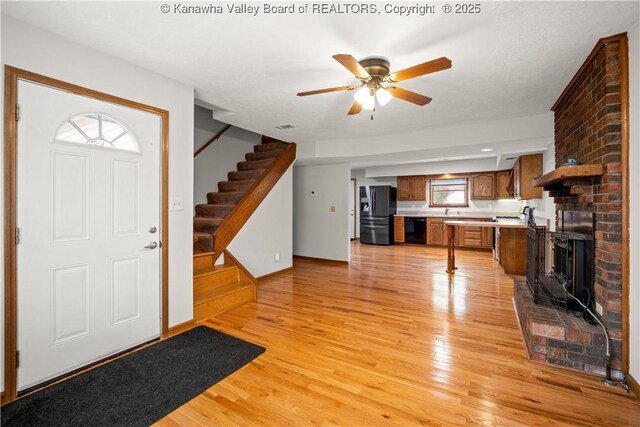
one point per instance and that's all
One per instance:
(17, 235)
(17, 358)
(17, 112)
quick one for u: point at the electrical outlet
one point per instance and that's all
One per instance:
(277, 257)
(599, 309)
(175, 204)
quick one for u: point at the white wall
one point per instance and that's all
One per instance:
(318, 232)
(212, 165)
(268, 231)
(30, 48)
(634, 201)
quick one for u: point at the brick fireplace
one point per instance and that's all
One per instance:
(589, 118)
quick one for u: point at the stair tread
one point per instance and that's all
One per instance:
(207, 219)
(225, 290)
(244, 181)
(253, 164)
(213, 210)
(211, 270)
(243, 175)
(267, 146)
(263, 155)
(244, 185)
(229, 205)
(204, 243)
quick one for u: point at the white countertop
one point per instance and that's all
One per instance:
(501, 224)
(427, 214)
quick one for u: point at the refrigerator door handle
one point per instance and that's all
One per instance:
(373, 200)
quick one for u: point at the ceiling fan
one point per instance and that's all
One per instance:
(376, 83)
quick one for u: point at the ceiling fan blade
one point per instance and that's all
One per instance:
(420, 70)
(350, 63)
(331, 89)
(355, 108)
(407, 95)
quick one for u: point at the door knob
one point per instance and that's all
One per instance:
(153, 229)
(151, 245)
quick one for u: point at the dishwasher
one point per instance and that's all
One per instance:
(415, 230)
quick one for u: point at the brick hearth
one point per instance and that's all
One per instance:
(554, 336)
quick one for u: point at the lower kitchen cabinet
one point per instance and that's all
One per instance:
(436, 233)
(398, 229)
(513, 250)
(470, 237)
(466, 236)
(487, 237)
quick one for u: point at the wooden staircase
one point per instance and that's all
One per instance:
(219, 288)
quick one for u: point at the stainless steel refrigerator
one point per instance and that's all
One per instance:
(377, 207)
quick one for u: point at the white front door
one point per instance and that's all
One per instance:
(88, 202)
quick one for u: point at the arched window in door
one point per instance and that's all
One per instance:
(99, 130)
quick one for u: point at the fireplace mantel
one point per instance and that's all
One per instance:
(563, 173)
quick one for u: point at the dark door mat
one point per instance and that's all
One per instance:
(137, 389)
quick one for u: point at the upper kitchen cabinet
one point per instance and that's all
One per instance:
(412, 188)
(483, 186)
(526, 169)
(502, 184)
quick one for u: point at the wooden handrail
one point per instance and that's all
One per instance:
(208, 143)
(236, 219)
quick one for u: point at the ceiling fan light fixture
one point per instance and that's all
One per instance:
(383, 96)
(369, 103)
(362, 95)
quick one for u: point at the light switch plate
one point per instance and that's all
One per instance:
(175, 204)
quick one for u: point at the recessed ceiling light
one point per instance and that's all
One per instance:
(284, 127)
(486, 149)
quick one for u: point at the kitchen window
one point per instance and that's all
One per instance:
(449, 192)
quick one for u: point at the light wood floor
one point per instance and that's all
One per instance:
(391, 339)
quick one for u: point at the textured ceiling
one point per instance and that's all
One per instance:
(512, 59)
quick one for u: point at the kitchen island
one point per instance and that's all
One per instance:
(512, 244)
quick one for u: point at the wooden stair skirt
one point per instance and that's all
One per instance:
(219, 288)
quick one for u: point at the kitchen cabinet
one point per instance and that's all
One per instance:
(526, 169)
(466, 236)
(513, 250)
(487, 237)
(502, 184)
(436, 233)
(483, 186)
(470, 237)
(398, 229)
(412, 188)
